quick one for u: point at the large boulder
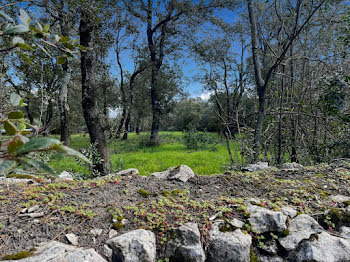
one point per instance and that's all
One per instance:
(322, 248)
(339, 198)
(134, 246)
(185, 244)
(65, 176)
(59, 252)
(129, 172)
(229, 246)
(181, 173)
(265, 220)
(290, 212)
(300, 228)
(345, 232)
(292, 166)
(258, 166)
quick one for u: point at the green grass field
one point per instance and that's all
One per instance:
(134, 153)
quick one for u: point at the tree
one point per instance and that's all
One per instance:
(165, 23)
(301, 19)
(92, 113)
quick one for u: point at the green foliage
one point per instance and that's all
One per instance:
(197, 140)
(15, 150)
(172, 152)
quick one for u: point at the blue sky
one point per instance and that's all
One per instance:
(188, 64)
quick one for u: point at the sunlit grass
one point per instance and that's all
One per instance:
(133, 153)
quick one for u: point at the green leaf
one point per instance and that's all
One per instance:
(7, 17)
(37, 144)
(13, 145)
(64, 39)
(70, 46)
(22, 126)
(72, 152)
(26, 58)
(61, 60)
(15, 115)
(39, 165)
(46, 28)
(17, 29)
(82, 48)
(6, 165)
(15, 99)
(10, 128)
(24, 17)
(25, 46)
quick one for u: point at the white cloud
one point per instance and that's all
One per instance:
(206, 95)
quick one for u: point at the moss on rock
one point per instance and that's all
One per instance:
(18, 256)
(144, 193)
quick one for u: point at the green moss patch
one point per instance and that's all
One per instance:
(18, 256)
(144, 193)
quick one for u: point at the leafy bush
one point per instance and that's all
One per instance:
(194, 139)
(17, 148)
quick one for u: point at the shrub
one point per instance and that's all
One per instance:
(194, 139)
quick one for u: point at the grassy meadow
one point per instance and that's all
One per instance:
(133, 153)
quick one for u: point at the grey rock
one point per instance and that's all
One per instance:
(300, 228)
(228, 246)
(258, 166)
(108, 252)
(129, 172)
(186, 244)
(32, 215)
(73, 239)
(96, 232)
(270, 247)
(112, 233)
(33, 209)
(65, 176)
(182, 173)
(59, 252)
(237, 223)
(133, 246)
(292, 166)
(345, 232)
(264, 220)
(323, 248)
(265, 258)
(339, 198)
(290, 212)
(7, 181)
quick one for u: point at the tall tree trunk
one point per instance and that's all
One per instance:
(140, 69)
(63, 90)
(138, 125)
(127, 124)
(63, 105)
(29, 113)
(122, 89)
(294, 155)
(156, 112)
(121, 125)
(279, 154)
(48, 118)
(89, 95)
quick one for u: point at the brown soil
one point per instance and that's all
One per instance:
(79, 206)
